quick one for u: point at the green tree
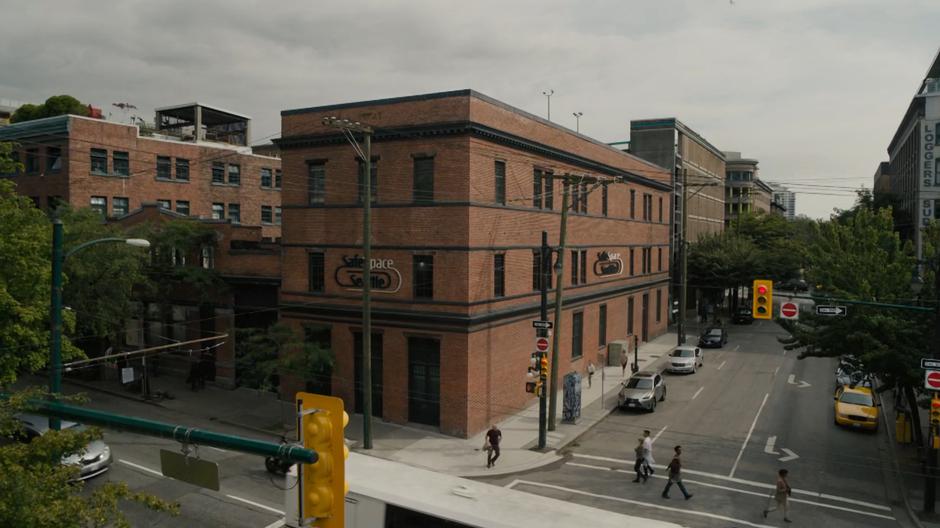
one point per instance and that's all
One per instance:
(54, 106)
(263, 355)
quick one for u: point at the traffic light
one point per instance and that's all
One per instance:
(763, 299)
(543, 366)
(935, 411)
(323, 484)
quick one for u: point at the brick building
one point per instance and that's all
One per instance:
(463, 189)
(115, 168)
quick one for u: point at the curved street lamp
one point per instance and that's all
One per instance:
(58, 258)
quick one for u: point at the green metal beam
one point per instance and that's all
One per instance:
(926, 309)
(180, 433)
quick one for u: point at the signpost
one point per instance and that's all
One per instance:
(789, 310)
(543, 325)
(932, 379)
(831, 310)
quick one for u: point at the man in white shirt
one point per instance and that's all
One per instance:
(648, 454)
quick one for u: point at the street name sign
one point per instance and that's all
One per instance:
(831, 310)
(191, 469)
(789, 310)
(930, 363)
(544, 325)
(932, 379)
(541, 344)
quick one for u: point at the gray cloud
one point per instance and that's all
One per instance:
(813, 89)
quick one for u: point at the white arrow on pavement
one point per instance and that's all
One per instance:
(769, 448)
(790, 455)
(792, 381)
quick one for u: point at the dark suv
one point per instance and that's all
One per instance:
(742, 315)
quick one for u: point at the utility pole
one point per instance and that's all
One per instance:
(930, 487)
(577, 121)
(548, 95)
(545, 264)
(348, 127)
(559, 287)
(684, 257)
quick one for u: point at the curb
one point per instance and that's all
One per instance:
(116, 394)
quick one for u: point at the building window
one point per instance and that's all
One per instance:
(604, 199)
(537, 271)
(423, 276)
(423, 188)
(207, 257)
(642, 261)
(119, 205)
(632, 259)
(182, 169)
(267, 215)
(99, 161)
(99, 204)
(630, 316)
(660, 209)
(499, 169)
(164, 204)
(577, 335)
(163, 167)
(278, 175)
(218, 211)
(499, 275)
(659, 305)
(316, 183)
(121, 163)
(277, 215)
(53, 159)
(548, 188)
(31, 162)
(234, 174)
(315, 270)
(647, 207)
(602, 325)
(659, 259)
(537, 189)
(373, 180)
(182, 207)
(584, 198)
(632, 203)
(218, 172)
(235, 213)
(578, 267)
(574, 267)
(575, 198)
(265, 177)
(583, 266)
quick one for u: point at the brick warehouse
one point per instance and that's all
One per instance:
(115, 168)
(463, 190)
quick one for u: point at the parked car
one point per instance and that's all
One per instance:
(642, 391)
(92, 461)
(685, 359)
(742, 315)
(856, 407)
(714, 337)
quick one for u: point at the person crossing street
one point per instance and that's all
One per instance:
(779, 499)
(675, 475)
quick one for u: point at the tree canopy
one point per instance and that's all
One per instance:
(55, 105)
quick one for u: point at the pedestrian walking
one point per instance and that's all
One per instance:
(491, 445)
(675, 475)
(780, 497)
(623, 362)
(638, 464)
(648, 454)
(590, 373)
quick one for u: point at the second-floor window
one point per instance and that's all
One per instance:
(277, 215)
(122, 163)
(165, 204)
(182, 207)
(99, 204)
(218, 211)
(99, 161)
(267, 214)
(235, 213)
(53, 159)
(218, 172)
(660, 209)
(537, 271)
(315, 272)
(234, 174)
(577, 335)
(423, 276)
(423, 186)
(163, 167)
(499, 171)
(499, 275)
(32, 161)
(265, 177)
(278, 175)
(182, 169)
(120, 205)
(602, 325)
(632, 203)
(632, 260)
(604, 199)
(316, 183)
(578, 267)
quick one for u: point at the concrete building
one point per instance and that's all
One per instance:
(881, 182)
(785, 198)
(744, 191)
(464, 186)
(198, 164)
(911, 171)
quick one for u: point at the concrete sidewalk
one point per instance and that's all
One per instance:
(414, 445)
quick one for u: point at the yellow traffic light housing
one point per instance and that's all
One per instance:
(323, 485)
(763, 299)
(935, 411)
(543, 366)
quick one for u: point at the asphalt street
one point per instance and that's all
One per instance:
(753, 408)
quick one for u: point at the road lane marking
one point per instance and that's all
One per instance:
(257, 505)
(138, 466)
(646, 504)
(737, 347)
(722, 364)
(697, 392)
(745, 482)
(792, 381)
(775, 371)
(218, 449)
(276, 524)
(729, 488)
(748, 437)
(511, 484)
(769, 448)
(655, 438)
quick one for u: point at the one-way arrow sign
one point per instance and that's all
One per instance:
(831, 310)
(769, 449)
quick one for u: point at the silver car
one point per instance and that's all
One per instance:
(685, 359)
(94, 460)
(642, 391)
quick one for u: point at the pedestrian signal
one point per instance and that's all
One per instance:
(763, 302)
(323, 483)
(935, 411)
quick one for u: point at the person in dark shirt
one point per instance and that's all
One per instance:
(491, 445)
(675, 475)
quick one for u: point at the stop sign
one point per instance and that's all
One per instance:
(932, 380)
(789, 310)
(541, 344)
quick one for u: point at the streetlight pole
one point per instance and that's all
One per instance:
(577, 121)
(55, 310)
(548, 95)
(348, 127)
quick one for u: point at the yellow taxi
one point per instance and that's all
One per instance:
(856, 407)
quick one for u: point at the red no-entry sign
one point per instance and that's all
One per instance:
(789, 310)
(541, 344)
(932, 380)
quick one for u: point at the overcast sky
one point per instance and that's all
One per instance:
(813, 89)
